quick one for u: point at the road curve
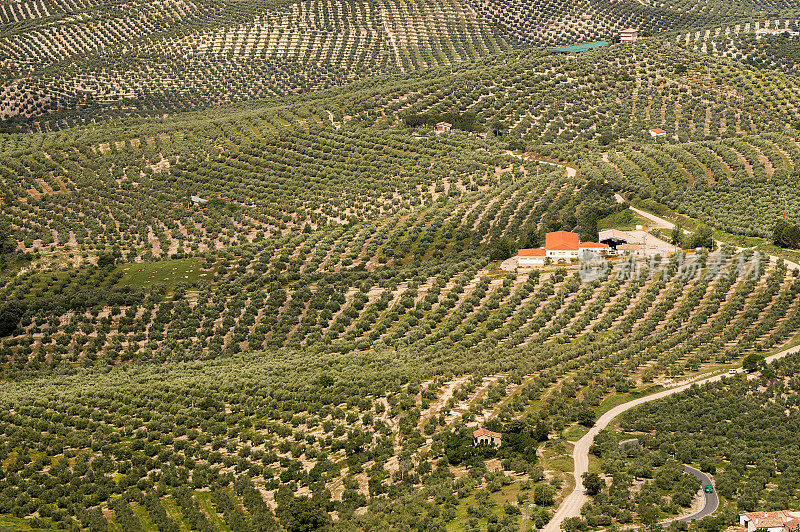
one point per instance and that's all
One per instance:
(572, 504)
(712, 500)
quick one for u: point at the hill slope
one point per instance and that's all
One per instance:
(68, 61)
(314, 336)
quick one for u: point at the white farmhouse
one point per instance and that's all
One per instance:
(560, 246)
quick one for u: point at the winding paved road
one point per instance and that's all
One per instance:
(712, 500)
(572, 504)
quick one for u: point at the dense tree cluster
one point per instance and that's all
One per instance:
(643, 486)
(740, 430)
(786, 235)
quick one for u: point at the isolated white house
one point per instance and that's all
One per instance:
(487, 437)
(443, 127)
(629, 35)
(562, 245)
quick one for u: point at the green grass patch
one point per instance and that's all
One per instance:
(625, 220)
(620, 398)
(174, 513)
(204, 501)
(170, 273)
(144, 518)
(43, 283)
(562, 463)
(575, 432)
(788, 345)
(10, 523)
(499, 498)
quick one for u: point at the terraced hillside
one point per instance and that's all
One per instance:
(339, 427)
(368, 326)
(264, 166)
(292, 314)
(740, 185)
(551, 22)
(264, 187)
(170, 56)
(729, 157)
(62, 62)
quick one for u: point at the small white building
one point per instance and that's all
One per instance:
(781, 521)
(776, 31)
(443, 127)
(630, 249)
(629, 35)
(528, 258)
(655, 133)
(197, 200)
(592, 249)
(486, 437)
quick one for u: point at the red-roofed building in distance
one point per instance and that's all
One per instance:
(658, 133)
(443, 127)
(781, 521)
(487, 437)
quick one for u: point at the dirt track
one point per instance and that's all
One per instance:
(669, 225)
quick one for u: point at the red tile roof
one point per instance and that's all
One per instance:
(532, 252)
(593, 245)
(657, 131)
(483, 432)
(774, 519)
(562, 241)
